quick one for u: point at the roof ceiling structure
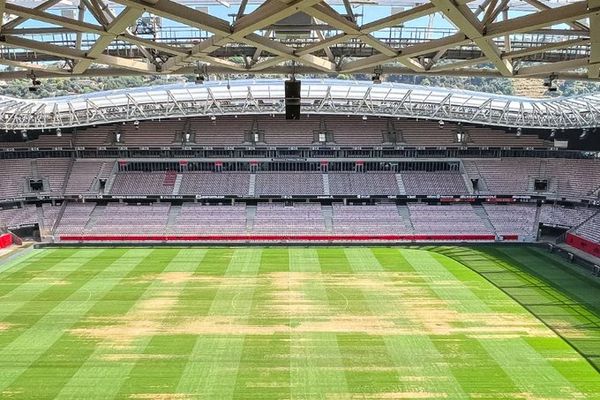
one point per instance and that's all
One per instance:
(319, 96)
(504, 38)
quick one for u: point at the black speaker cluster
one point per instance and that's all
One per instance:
(292, 99)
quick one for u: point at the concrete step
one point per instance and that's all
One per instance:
(173, 214)
(177, 184)
(405, 214)
(327, 212)
(485, 218)
(326, 184)
(401, 188)
(96, 214)
(250, 214)
(252, 185)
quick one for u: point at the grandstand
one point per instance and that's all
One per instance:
(325, 177)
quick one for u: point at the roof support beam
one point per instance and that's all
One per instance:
(467, 23)
(43, 16)
(180, 13)
(69, 52)
(19, 20)
(547, 47)
(269, 13)
(118, 25)
(542, 19)
(573, 24)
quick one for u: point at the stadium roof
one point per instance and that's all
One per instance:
(328, 96)
(512, 38)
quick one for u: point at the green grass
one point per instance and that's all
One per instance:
(337, 323)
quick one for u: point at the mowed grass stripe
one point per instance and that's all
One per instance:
(25, 305)
(81, 344)
(23, 282)
(317, 368)
(431, 374)
(457, 349)
(529, 371)
(96, 278)
(162, 356)
(368, 368)
(264, 370)
(213, 363)
(546, 300)
(19, 261)
(109, 366)
(523, 280)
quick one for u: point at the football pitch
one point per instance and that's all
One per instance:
(488, 322)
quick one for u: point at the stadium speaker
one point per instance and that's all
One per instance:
(292, 99)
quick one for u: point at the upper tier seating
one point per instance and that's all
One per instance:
(347, 130)
(566, 177)
(354, 183)
(142, 183)
(43, 141)
(151, 133)
(13, 181)
(505, 175)
(289, 183)
(85, 173)
(95, 136)
(215, 183)
(56, 170)
(434, 183)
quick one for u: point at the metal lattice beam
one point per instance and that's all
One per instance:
(336, 41)
(318, 97)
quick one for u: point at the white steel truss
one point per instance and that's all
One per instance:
(511, 38)
(318, 97)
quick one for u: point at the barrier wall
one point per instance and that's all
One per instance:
(5, 240)
(583, 244)
(278, 238)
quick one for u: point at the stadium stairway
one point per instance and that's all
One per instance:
(177, 184)
(94, 216)
(326, 184)
(485, 218)
(111, 179)
(172, 220)
(472, 172)
(467, 180)
(400, 182)
(405, 214)
(34, 169)
(252, 185)
(327, 212)
(250, 214)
